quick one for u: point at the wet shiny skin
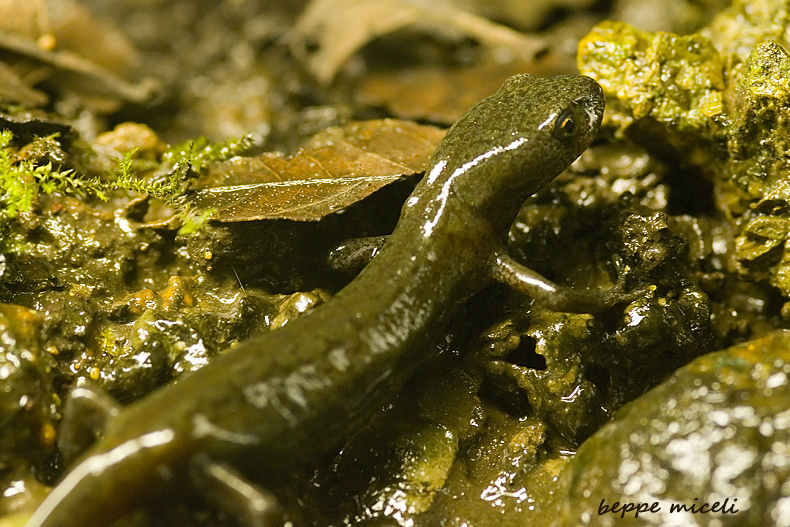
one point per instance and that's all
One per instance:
(294, 393)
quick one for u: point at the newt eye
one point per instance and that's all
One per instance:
(565, 126)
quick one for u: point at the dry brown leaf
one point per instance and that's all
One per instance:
(525, 16)
(75, 72)
(79, 31)
(334, 170)
(61, 42)
(25, 18)
(442, 95)
(15, 90)
(330, 31)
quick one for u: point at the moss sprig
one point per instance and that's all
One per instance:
(169, 188)
(22, 180)
(200, 152)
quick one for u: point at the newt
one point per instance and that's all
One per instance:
(292, 394)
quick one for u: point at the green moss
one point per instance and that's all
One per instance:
(21, 180)
(200, 152)
(185, 160)
(169, 189)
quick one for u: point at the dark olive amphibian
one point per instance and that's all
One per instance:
(296, 392)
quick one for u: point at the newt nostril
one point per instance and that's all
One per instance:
(525, 355)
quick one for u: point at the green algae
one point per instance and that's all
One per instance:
(718, 109)
(677, 80)
(716, 430)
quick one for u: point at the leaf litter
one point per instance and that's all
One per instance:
(329, 32)
(335, 169)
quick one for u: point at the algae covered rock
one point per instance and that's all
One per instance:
(28, 404)
(713, 105)
(716, 433)
(29, 407)
(760, 164)
(677, 80)
(738, 29)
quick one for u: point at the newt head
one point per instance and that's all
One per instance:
(512, 143)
